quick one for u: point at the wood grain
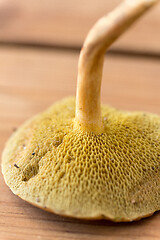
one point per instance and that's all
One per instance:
(30, 81)
(60, 22)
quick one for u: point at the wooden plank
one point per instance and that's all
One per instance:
(31, 80)
(60, 22)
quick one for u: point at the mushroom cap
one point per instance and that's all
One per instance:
(113, 175)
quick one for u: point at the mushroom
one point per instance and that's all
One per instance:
(84, 160)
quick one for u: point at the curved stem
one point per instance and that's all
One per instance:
(100, 37)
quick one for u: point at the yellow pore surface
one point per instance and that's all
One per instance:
(113, 175)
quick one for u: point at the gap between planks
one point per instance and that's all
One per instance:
(122, 52)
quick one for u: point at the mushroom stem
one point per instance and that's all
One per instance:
(99, 39)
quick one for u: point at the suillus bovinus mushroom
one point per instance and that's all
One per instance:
(84, 160)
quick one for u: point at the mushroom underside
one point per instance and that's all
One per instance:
(114, 174)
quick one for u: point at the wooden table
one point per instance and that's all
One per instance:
(39, 48)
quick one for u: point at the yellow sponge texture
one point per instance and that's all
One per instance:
(113, 175)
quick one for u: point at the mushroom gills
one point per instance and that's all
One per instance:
(112, 175)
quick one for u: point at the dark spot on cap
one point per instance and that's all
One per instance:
(16, 165)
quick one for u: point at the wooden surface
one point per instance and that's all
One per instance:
(33, 78)
(61, 22)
